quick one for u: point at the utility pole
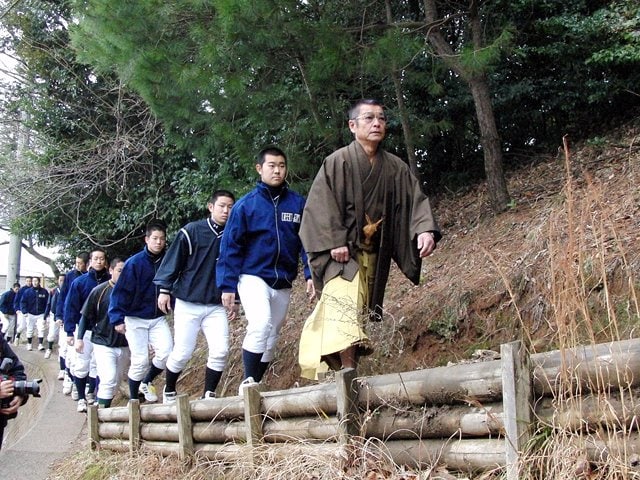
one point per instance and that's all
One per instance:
(13, 265)
(15, 241)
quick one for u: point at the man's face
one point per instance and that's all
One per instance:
(98, 261)
(220, 209)
(15, 289)
(81, 266)
(116, 271)
(28, 281)
(61, 280)
(35, 282)
(156, 241)
(370, 124)
(273, 171)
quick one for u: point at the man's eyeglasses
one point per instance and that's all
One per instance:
(370, 117)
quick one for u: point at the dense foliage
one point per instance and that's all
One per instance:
(161, 102)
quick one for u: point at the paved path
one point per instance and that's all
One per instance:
(46, 428)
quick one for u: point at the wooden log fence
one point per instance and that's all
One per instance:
(471, 416)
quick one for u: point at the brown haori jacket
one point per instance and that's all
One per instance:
(334, 216)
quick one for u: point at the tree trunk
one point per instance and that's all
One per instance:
(402, 109)
(489, 138)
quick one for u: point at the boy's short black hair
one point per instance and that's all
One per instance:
(271, 150)
(115, 261)
(16, 285)
(84, 256)
(221, 193)
(155, 225)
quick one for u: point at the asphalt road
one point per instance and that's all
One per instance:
(46, 429)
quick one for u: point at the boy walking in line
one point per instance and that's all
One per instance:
(188, 273)
(109, 347)
(134, 312)
(259, 258)
(33, 306)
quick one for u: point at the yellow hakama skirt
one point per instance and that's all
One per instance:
(337, 320)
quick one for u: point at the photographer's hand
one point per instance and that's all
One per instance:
(13, 405)
(6, 388)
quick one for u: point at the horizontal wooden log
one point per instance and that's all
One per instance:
(463, 455)
(218, 432)
(300, 429)
(435, 422)
(113, 430)
(113, 414)
(159, 432)
(164, 448)
(599, 367)
(158, 412)
(593, 368)
(114, 445)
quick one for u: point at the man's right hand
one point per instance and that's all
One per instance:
(340, 254)
(70, 341)
(164, 302)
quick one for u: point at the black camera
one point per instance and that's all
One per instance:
(21, 388)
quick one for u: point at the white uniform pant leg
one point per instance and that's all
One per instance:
(5, 323)
(62, 345)
(111, 362)
(54, 329)
(137, 333)
(161, 340)
(216, 330)
(187, 319)
(41, 324)
(82, 361)
(31, 324)
(140, 334)
(21, 323)
(9, 325)
(265, 309)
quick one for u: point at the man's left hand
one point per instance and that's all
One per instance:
(426, 244)
(311, 290)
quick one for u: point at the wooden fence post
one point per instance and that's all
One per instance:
(517, 403)
(185, 432)
(92, 422)
(252, 414)
(134, 425)
(347, 402)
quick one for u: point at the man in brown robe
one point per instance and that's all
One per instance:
(364, 209)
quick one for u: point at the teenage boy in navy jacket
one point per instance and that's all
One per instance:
(8, 312)
(21, 319)
(134, 311)
(81, 265)
(83, 365)
(259, 259)
(33, 305)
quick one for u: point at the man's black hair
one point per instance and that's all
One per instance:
(221, 193)
(271, 150)
(355, 109)
(16, 285)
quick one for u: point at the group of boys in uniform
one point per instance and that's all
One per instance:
(365, 208)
